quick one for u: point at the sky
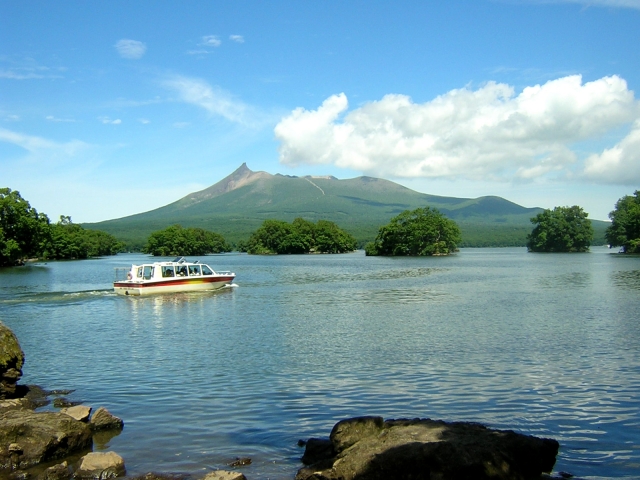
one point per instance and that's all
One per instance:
(109, 109)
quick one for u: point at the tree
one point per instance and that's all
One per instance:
(420, 232)
(70, 241)
(563, 229)
(22, 229)
(300, 236)
(175, 240)
(624, 230)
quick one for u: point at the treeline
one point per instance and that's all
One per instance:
(25, 233)
(300, 236)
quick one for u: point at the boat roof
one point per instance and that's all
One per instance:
(175, 261)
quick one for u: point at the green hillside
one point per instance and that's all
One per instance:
(238, 204)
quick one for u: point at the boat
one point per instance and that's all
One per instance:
(178, 275)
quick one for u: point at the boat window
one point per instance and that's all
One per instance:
(194, 270)
(206, 270)
(181, 271)
(147, 272)
(139, 272)
(167, 272)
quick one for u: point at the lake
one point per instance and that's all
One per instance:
(544, 344)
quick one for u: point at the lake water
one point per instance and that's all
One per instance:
(547, 345)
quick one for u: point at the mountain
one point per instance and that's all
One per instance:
(238, 204)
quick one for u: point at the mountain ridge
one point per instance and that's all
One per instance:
(238, 204)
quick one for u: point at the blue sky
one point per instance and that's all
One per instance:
(113, 108)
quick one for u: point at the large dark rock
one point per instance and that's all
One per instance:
(368, 448)
(28, 438)
(11, 361)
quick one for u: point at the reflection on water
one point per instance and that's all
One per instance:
(543, 344)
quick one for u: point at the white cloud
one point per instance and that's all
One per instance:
(51, 118)
(144, 121)
(490, 133)
(236, 38)
(130, 49)
(619, 164)
(108, 121)
(35, 145)
(590, 3)
(211, 41)
(215, 100)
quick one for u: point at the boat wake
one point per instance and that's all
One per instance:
(56, 297)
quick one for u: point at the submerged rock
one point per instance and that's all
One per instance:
(369, 448)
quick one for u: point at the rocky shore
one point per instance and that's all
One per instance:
(58, 445)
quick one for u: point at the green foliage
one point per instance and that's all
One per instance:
(624, 230)
(300, 236)
(175, 240)
(563, 229)
(22, 229)
(70, 241)
(420, 232)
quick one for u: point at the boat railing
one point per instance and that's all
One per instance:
(224, 272)
(121, 273)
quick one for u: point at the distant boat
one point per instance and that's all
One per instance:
(178, 275)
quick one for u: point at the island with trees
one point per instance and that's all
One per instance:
(300, 236)
(177, 241)
(25, 234)
(563, 229)
(624, 230)
(420, 232)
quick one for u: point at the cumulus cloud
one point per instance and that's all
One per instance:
(130, 49)
(236, 38)
(214, 100)
(619, 164)
(490, 133)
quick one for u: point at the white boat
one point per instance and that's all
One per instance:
(178, 275)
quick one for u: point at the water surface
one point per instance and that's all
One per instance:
(547, 345)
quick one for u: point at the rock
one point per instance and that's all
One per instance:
(102, 419)
(16, 404)
(348, 432)
(161, 476)
(317, 449)
(63, 402)
(79, 412)
(224, 475)
(240, 462)
(100, 465)
(57, 472)
(11, 361)
(369, 448)
(28, 438)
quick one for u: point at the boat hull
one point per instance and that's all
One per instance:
(137, 288)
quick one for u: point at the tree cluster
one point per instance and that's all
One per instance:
(71, 241)
(420, 232)
(25, 233)
(177, 241)
(300, 236)
(624, 230)
(563, 229)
